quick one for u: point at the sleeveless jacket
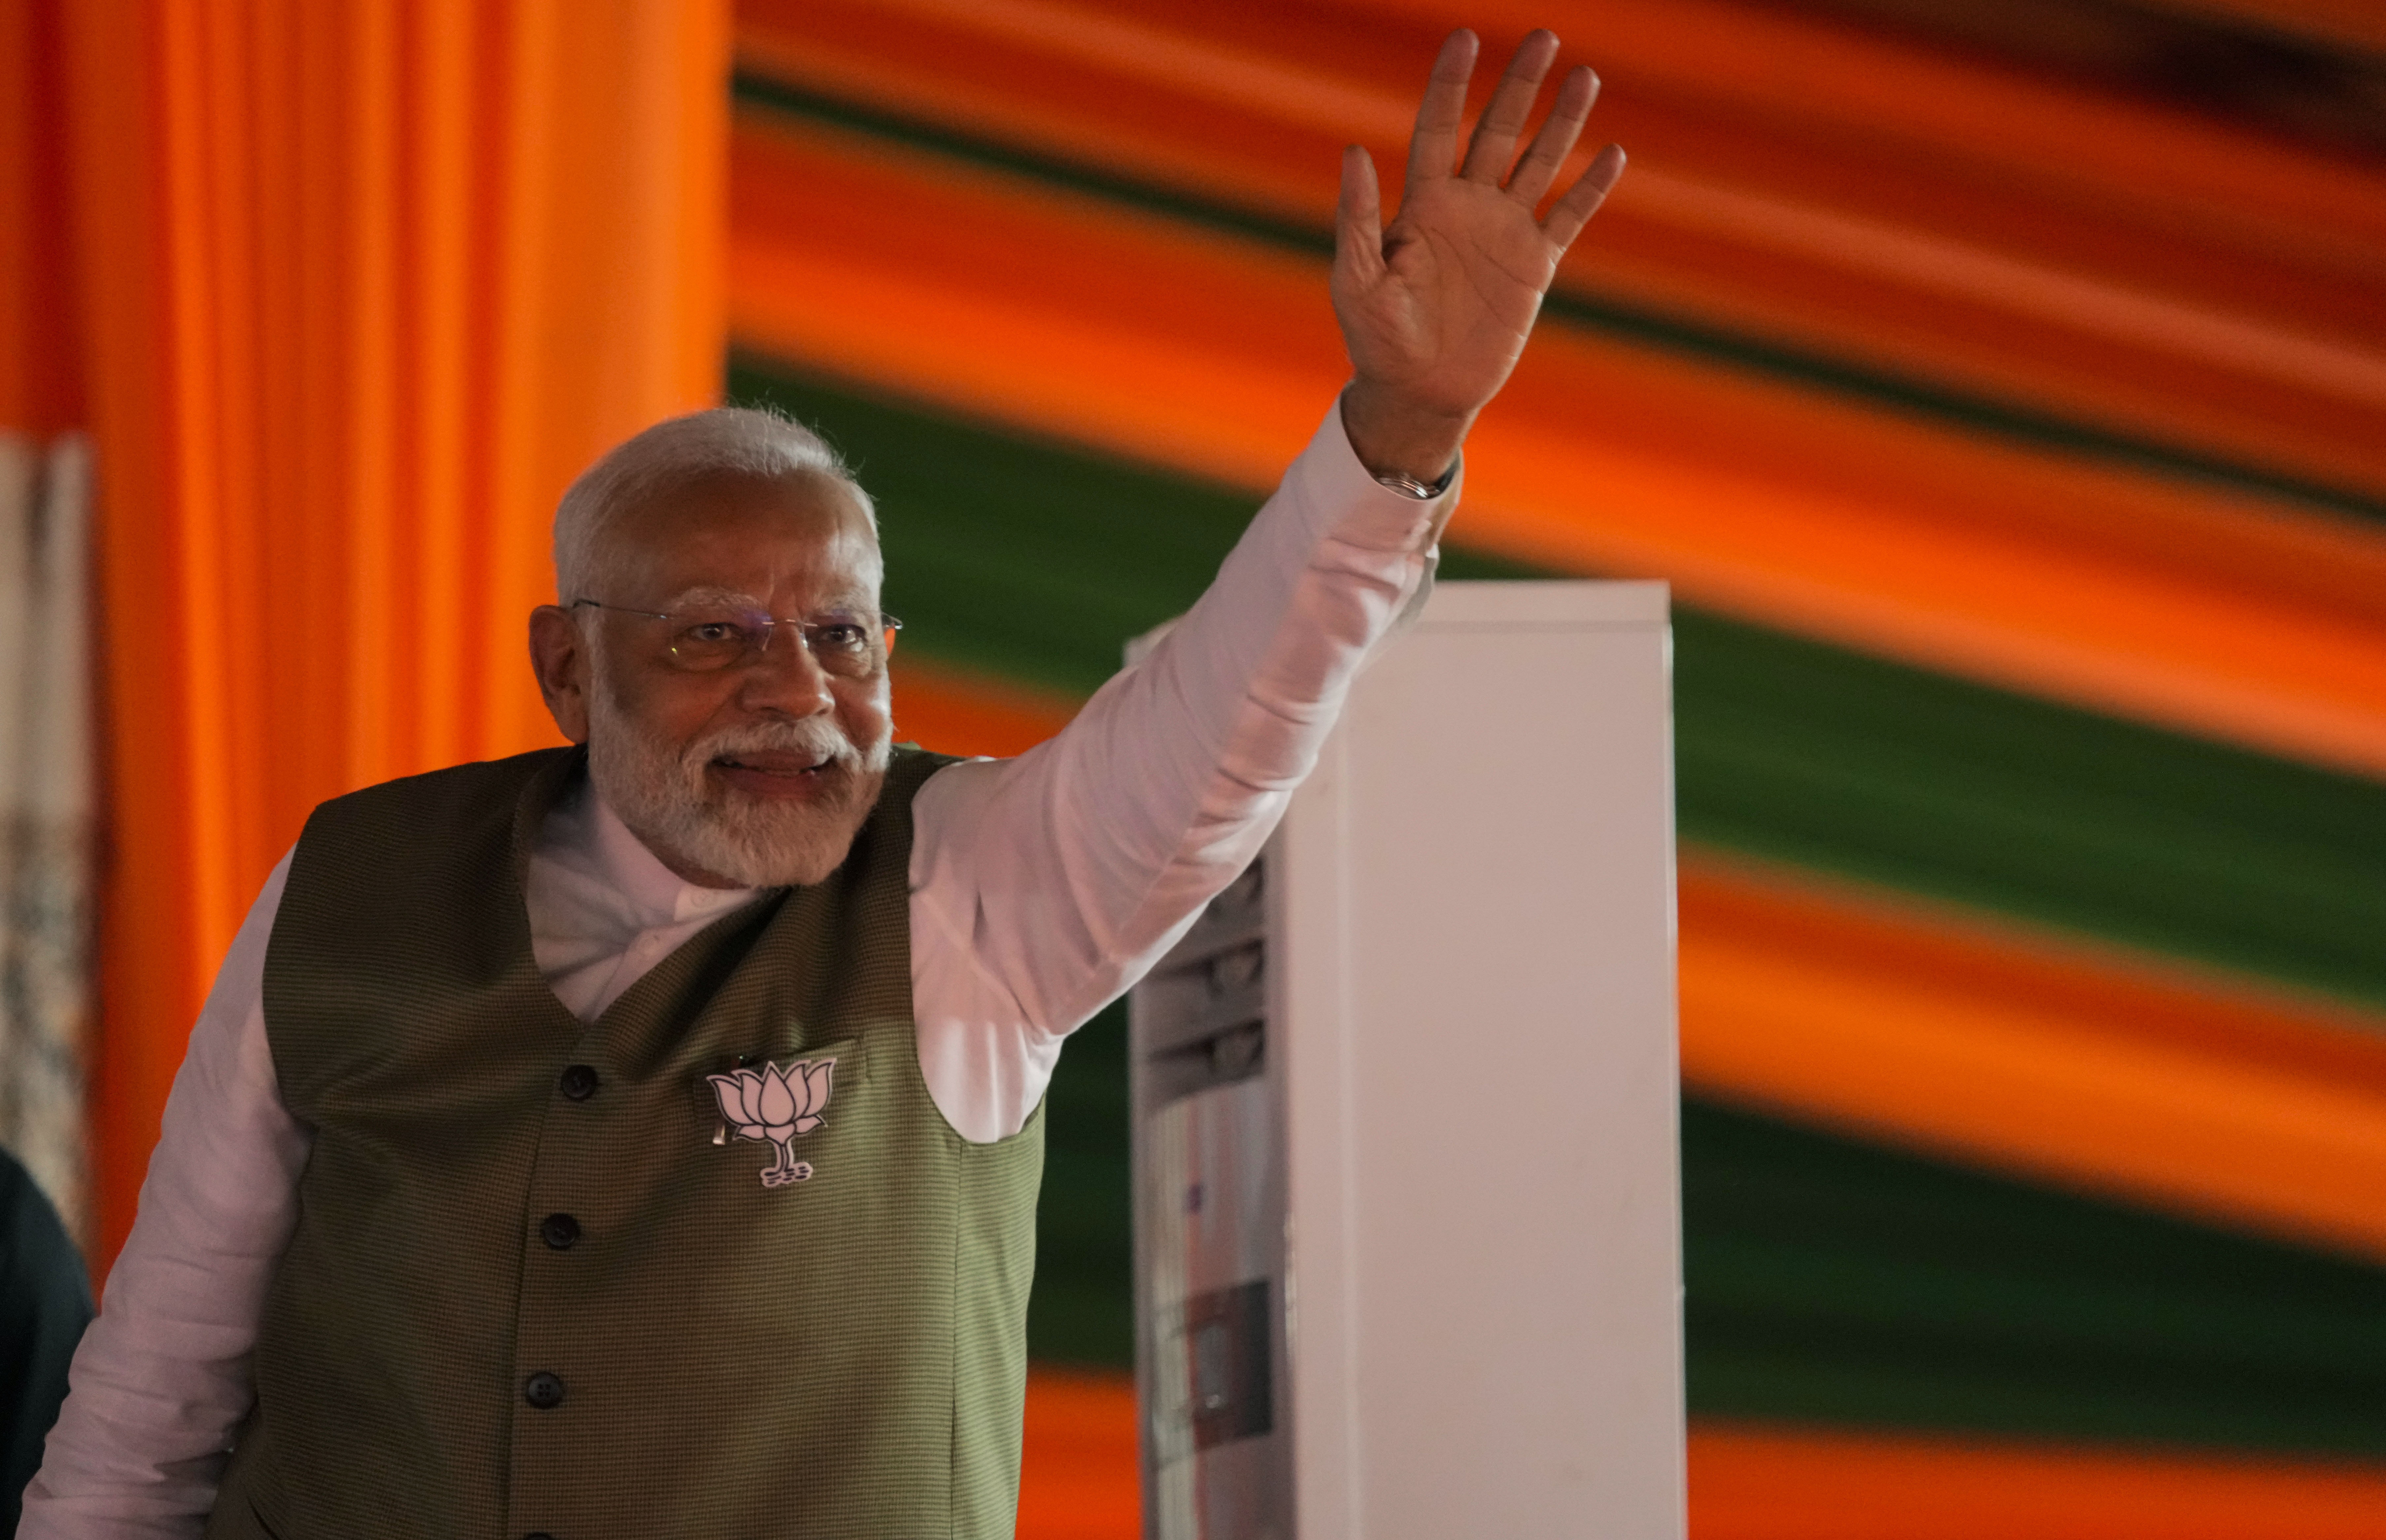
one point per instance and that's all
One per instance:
(540, 1286)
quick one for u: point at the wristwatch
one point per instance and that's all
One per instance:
(1423, 491)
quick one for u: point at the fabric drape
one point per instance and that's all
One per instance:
(45, 778)
(361, 285)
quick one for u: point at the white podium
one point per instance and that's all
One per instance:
(1407, 1199)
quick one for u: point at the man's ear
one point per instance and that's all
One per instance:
(558, 658)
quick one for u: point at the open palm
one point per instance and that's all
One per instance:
(1436, 308)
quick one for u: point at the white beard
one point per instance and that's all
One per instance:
(665, 797)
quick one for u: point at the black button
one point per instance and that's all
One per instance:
(538, 1534)
(580, 1083)
(559, 1231)
(543, 1391)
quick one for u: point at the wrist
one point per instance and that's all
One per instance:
(1394, 437)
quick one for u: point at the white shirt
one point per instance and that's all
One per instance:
(1041, 887)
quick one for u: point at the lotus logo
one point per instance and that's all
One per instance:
(775, 1104)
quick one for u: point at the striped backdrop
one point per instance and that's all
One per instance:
(2016, 441)
(2001, 384)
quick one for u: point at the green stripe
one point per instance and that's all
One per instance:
(1834, 1282)
(1082, 1309)
(1032, 560)
(1849, 379)
(1797, 750)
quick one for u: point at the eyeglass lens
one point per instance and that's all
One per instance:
(848, 645)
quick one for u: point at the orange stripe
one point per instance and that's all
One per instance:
(955, 710)
(2218, 614)
(1757, 1483)
(1078, 1482)
(2064, 1062)
(2114, 262)
(197, 425)
(536, 131)
(1078, 1476)
(113, 77)
(369, 360)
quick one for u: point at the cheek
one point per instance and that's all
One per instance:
(664, 703)
(862, 709)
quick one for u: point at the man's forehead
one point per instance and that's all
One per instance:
(704, 596)
(720, 500)
(729, 534)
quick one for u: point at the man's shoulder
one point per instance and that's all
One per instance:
(438, 806)
(472, 784)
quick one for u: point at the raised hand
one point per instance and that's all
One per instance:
(1436, 309)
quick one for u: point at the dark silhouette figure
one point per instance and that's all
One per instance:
(44, 1305)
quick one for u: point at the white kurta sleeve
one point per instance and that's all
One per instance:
(1042, 887)
(161, 1379)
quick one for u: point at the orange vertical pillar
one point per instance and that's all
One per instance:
(366, 282)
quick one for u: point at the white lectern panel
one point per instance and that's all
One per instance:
(1458, 1022)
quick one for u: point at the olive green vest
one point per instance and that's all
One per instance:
(539, 1287)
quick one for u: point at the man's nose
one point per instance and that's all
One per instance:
(785, 676)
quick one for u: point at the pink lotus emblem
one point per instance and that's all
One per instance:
(775, 1104)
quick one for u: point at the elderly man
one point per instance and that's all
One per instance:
(643, 1137)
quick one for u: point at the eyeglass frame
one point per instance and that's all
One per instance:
(888, 626)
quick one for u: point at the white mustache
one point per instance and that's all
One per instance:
(810, 736)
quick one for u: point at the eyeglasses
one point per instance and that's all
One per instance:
(712, 637)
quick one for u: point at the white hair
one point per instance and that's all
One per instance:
(730, 441)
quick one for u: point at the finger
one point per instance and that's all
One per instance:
(1582, 200)
(1432, 149)
(1555, 142)
(1358, 219)
(1493, 149)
